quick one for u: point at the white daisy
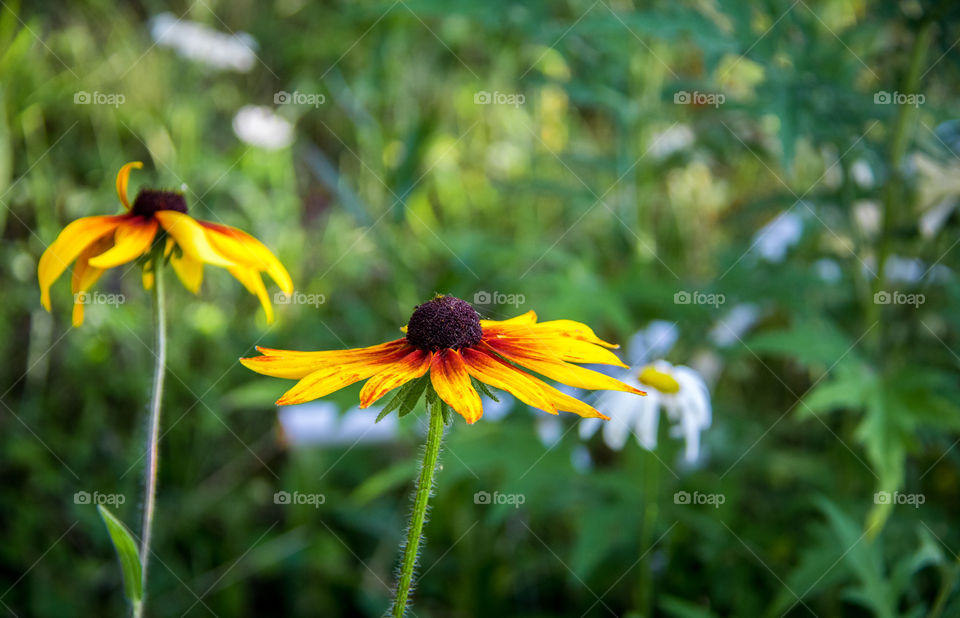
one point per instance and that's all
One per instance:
(773, 240)
(679, 390)
(197, 42)
(261, 126)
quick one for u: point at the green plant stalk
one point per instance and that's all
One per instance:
(893, 191)
(153, 437)
(651, 493)
(411, 549)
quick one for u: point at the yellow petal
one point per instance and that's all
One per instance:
(189, 271)
(244, 249)
(566, 403)
(529, 317)
(499, 374)
(69, 244)
(84, 276)
(131, 240)
(191, 237)
(254, 283)
(555, 348)
(572, 375)
(296, 364)
(448, 374)
(329, 379)
(410, 367)
(123, 176)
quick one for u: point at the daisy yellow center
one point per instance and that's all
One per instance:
(660, 380)
(150, 201)
(444, 322)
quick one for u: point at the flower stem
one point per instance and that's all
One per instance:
(411, 550)
(156, 397)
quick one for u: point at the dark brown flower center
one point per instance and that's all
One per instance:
(444, 322)
(150, 201)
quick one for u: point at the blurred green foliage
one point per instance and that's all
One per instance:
(400, 185)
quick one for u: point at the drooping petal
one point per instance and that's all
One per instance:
(191, 237)
(123, 177)
(410, 367)
(244, 249)
(294, 364)
(329, 379)
(189, 271)
(572, 375)
(132, 239)
(492, 370)
(251, 280)
(84, 276)
(72, 240)
(448, 374)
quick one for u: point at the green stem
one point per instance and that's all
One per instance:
(893, 198)
(651, 492)
(411, 550)
(153, 438)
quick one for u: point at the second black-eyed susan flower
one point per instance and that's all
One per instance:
(447, 338)
(102, 242)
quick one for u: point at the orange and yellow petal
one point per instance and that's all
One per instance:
(410, 367)
(492, 370)
(123, 177)
(451, 381)
(84, 276)
(556, 348)
(189, 271)
(242, 248)
(293, 364)
(71, 242)
(329, 379)
(131, 239)
(251, 280)
(191, 237)
(566, 373)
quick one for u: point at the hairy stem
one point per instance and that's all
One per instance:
(156, 397)
(411, 550)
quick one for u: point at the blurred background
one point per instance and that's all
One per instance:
(763, 192)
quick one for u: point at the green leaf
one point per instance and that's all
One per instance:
(484, 389)
(129, 557)
(406, 398)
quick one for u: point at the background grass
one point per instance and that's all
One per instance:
(400, 185)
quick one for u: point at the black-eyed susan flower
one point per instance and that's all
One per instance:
(101, 242)
(446, 338)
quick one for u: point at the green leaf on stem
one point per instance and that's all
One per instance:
(126, 548)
